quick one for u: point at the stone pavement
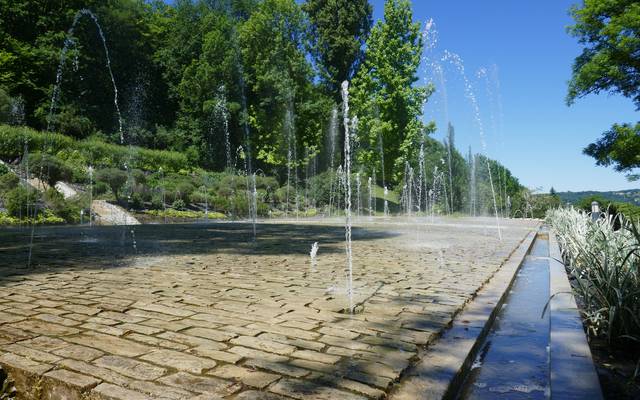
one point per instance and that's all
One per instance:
(200, 312)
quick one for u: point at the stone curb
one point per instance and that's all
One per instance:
(573, 375)
(441, 367)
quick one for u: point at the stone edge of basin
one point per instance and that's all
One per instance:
(573, 375)
(441, 368)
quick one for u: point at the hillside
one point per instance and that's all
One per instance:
(631, 196)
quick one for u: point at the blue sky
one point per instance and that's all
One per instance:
(541, 139)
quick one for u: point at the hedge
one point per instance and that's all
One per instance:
(91, 151)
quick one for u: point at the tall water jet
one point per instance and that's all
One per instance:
(386, 204)
(347, 200)
(333, 134)
(450, 148)
(69, 42)
(222, 114)
(457, 62)
(370, 187)
(472, 184)
(421, 171)
(358, 192)
(90, 170)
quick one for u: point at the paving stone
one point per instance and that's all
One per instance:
(284, 367)
(264, 345)
(199, 384)
(216, 354)
(249, 377)
(108, 391)
(315, 356)
(156, 390)
(73, 379)
(212, 334)
(180, 361)
(130, 367)
(110, 344)
(299, 389)
(98, 372)
(78, 352)
(154, 341)
(44, 328)
(256, 395)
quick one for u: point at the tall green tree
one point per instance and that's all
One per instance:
(610, 62)
(282, 98)
(385, 97)
(338, 30)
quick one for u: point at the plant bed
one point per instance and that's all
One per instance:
(602, 259)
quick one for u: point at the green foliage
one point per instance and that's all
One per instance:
(114, 178)
(610, 34)
(630, 211)
(620, 147)
(8, 181)
(48, 168)
(385, 97)
(604, 260)
(179, 205)
(338, 30)
(282, 101)
(91, 151)
(185, 214)
(21, 201)
(67, 209)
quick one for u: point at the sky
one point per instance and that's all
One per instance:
(537, 136)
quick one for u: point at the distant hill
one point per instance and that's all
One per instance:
(631, 196)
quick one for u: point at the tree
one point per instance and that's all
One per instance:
(385, 98)
(338, 30)
(113, 177)
(285, 108)
(610, 62)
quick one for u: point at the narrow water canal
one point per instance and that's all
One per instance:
(514, 359)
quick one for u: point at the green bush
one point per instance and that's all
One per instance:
(8, 181)
(179, 205)
(114, 178)
(13, 140)
(91, 151)
(67, 209)
(20, 200)
(49, 168)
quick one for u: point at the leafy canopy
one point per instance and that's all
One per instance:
(609, 30)
(385, 99)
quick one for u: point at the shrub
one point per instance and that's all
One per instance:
(179, 205)
(13, 140)
(49, 168)
(8, 181)
(67, 209)
(114, 178)
(93, 150)
(20, 201)
(605, 263)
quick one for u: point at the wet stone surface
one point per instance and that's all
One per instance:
(202, 312)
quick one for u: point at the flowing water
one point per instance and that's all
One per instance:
(347, 187)
(514, 360)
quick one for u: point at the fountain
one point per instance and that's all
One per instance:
(457, 62)
(313, 254)
(358, 204)
(90, 170)
(386, 204)
(347, 187)
(69, 42)
(333, 133)
(222, 113)
(370, 197)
